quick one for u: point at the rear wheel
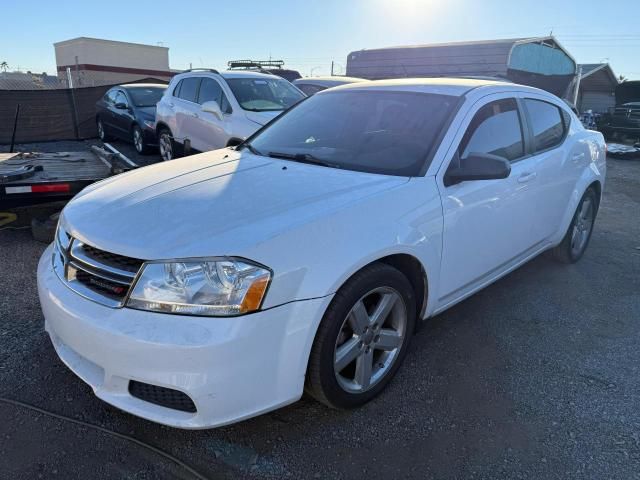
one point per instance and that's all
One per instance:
(363, 337)
(576, 240)
(138, 140)
(102, 133)
(166, 145)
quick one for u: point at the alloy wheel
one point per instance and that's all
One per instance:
(582, 227)
(165, 146)
(137, 140)
(370, 340)
(100, 130)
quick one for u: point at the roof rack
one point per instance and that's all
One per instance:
(212, 70)
(255, 64)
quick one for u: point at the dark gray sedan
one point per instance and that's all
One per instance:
(128, 112)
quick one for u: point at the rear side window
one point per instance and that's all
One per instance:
(189, 89)
(547, 124)
(176, 91)
(495, 129)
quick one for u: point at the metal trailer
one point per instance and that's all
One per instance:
(34, 178)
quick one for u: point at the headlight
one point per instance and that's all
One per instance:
(150, 124)
(217, 287)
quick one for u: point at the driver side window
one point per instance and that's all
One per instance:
(495, 129)
(120, 98)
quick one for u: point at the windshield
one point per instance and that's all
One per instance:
(367, 130)
(146, 96)
(264, 94)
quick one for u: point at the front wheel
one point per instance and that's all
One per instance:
(363, 337)
(166, 145)
(576, 240)
(137, 138)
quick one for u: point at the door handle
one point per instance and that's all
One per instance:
(527, 177)
(171, 105)
(196, 115)
(577, 157)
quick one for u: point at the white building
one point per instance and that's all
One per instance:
(94, 61)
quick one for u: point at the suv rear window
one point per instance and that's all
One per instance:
(546, 122)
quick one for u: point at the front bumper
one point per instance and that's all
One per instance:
(232, 368)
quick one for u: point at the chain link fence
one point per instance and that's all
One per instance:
(43, 107)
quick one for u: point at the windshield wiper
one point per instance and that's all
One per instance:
(303, 158)
(251, 148)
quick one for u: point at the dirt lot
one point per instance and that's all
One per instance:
(537, 376)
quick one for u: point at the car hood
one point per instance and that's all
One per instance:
(216, 203)
(262, 118)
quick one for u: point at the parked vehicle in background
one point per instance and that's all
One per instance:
(623, 121)
(304, 258)
(313, 85)
(207, 110)
(128, 112)
(273, 67)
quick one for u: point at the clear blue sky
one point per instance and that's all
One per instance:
(310, 34)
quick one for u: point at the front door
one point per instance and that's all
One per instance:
(487, 223)
(209, 132)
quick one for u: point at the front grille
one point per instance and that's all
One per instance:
(118, 261)
(165, 397)
(103, 277)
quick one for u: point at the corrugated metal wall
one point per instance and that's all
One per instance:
(599, 102)
(482, 59)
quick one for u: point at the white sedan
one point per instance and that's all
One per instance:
(202, 292)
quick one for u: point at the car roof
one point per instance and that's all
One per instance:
(440, 85)
(227, 74)
(144, 85)
(331, 80)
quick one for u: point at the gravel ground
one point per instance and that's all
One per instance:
(537, 376)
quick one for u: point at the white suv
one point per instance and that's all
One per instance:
(206, 110)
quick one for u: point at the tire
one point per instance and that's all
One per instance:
(102, 132)
(166, 145)
(137, 137)
(576, 240)
(338, 382)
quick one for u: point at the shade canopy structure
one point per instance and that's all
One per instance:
(540, 62)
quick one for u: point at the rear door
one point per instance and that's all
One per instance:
(487, 223)
(558, 160)
(186, 108)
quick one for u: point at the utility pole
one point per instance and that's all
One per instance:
(575, 94)
(332, 68)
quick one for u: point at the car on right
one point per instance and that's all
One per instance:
(203, 109)
(312, 85)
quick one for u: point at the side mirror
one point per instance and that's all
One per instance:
(212, 107)
(121, 106)
(478, 166)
